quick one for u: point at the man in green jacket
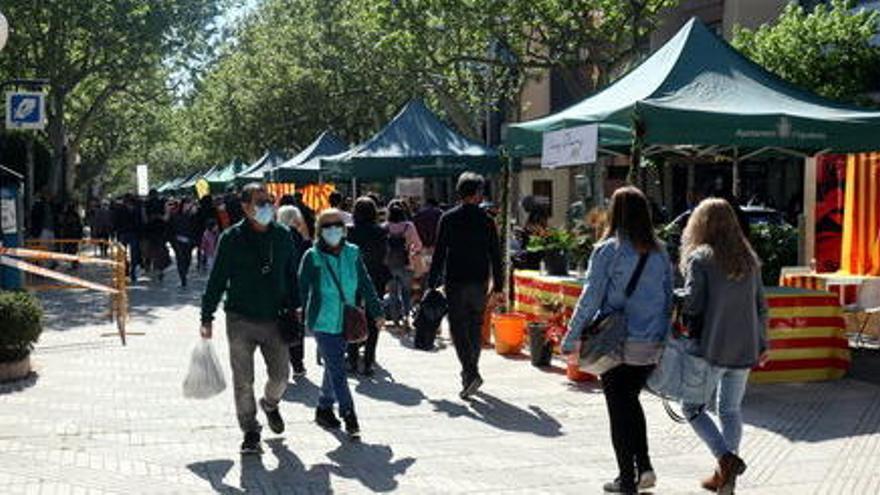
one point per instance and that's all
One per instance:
(253, 267)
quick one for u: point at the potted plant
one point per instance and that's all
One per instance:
(555, 245)
(21, 318)
(547, 332)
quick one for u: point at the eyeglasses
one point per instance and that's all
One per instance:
(333, 224)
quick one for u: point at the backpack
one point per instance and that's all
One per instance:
(429, 314)
(397, 254)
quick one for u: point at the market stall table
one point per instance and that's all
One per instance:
(807, 332)
(845, 285)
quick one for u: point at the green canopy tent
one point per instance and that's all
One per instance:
(255, 171)
(305, 167)
(185, 184)
(222, 176)
(698, 96)
(415, 143)
(170, 186)
(188, 184)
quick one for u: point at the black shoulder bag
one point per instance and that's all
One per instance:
(602, 339)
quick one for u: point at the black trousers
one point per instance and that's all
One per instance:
(622, 386)
(183, 253)
(467, 302)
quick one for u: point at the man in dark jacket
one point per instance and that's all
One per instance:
(254, 268)
(468, 251)
(426, 221)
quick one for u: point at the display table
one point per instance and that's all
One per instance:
(846, 286)
(807, 332)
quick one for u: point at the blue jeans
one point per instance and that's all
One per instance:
(729, 396)
(401, 289)
(334, 387)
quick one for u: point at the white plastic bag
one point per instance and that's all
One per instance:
(205, 376)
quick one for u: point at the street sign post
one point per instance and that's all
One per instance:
(143, 182)
(25, 110)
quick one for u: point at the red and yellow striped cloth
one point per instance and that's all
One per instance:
(315, 196)
(807, 332)
(860, 254)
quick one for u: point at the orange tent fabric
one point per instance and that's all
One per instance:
(861, 219)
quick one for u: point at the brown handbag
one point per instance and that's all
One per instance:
(354, 319)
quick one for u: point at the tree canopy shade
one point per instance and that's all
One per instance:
(306, 166)
(255, 171)
(697, 90)
(415, 143)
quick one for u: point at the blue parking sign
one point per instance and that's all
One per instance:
(25, 110)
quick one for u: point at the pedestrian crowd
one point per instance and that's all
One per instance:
(286, 271)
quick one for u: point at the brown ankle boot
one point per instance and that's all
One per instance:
(712, 482)
(729, 467)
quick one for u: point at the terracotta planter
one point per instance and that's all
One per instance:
(15, 370)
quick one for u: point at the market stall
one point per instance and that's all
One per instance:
(807, 332)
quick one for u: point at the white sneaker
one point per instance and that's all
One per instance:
(647, 480)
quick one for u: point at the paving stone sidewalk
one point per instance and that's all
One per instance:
(102, 418)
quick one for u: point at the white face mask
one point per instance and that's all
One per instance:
(332, 235)
(264, 214)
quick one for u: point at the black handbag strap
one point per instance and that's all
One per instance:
(637, 274)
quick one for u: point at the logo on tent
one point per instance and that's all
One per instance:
(783, 128)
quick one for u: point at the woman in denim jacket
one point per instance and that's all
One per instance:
(724, 292)
(629, 235)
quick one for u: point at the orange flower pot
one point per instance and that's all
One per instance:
(510, 331)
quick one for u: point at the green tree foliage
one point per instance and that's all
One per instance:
(828, 50)
(297, 67)
(93, 52)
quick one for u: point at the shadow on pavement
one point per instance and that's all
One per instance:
(382, 386)
(502, 415)
(814, 412)
(372, 465)
(290, 476)
(69, 309)
(303, 391)
(19, 385)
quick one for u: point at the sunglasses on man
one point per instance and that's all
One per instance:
(333, 224)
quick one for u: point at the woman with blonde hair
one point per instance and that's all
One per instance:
(332, 275)
(724, 296)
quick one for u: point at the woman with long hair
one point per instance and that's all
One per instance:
(404, 246)
(371, 238)
(725, 296)
(331, 276)
(629, 241)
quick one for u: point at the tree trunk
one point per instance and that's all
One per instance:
(71, 161)
(57, 138)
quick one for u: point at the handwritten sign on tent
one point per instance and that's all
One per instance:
(572, 146)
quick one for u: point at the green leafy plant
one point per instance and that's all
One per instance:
(553, 240)
(777, 246)
(21, 321)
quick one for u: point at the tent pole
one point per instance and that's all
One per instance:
(354, 186)
(506, 216)
(735, 185)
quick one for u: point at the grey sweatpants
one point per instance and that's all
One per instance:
(245, 335)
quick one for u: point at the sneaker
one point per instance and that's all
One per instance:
(276, 423)
(471, 388)
(647, 480)
(368, 371)
(617, 487)
(351, 426)
(326, 419)
(251, 443)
